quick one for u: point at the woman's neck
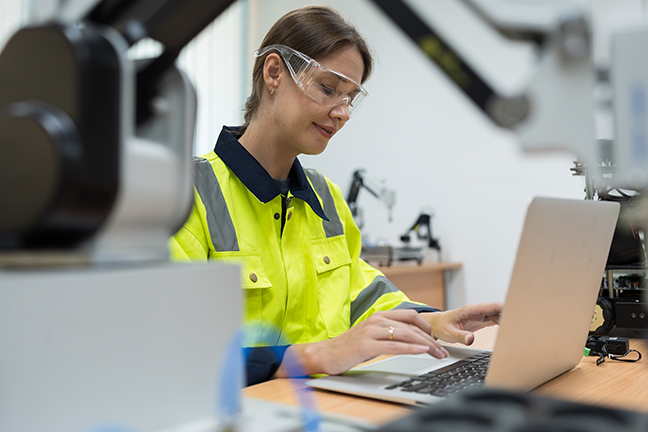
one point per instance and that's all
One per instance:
(265, 145)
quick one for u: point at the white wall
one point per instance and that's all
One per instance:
(435, 148)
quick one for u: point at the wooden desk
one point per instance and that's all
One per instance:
(425, 283)
(613, 384)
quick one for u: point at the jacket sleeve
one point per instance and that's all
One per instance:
(261, 363)
(371, 291)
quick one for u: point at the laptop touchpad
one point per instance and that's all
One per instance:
(405, 365)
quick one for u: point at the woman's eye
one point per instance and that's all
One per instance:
(327, 90)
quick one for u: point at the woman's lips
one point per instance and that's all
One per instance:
(328, 132)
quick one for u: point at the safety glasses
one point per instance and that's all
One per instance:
(324, 86)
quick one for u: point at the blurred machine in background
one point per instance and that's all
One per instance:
(95, 149)
(422, 229)
(360, 180)
(621, 307)
(381, 252)
(569, 94)
(98, 327)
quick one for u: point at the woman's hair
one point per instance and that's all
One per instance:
(316, 31)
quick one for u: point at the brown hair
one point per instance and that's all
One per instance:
(316, 31)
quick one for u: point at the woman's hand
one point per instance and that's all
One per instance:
(458, 325)
(391, 332)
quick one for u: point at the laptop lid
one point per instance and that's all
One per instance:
(555, 282)
(139, 347)
(552, 293)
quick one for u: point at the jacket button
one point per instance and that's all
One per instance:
(253, 277)
(289, 215)
(327, 260)
(277, 215)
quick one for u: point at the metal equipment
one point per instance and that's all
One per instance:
(380, 254)
(569, 94)
(620, 309)
(95, 150)
(375, 187)
(562, 105)
(386, 254)
(95, 175)
(423, 229)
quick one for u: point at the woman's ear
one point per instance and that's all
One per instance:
(273, 69)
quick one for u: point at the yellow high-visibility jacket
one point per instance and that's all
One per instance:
(300, 254)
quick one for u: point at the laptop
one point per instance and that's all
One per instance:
(551, 298)
(138, 347)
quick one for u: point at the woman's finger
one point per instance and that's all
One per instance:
(412, 335)
(406, 316)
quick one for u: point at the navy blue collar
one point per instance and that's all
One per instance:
(257, 179)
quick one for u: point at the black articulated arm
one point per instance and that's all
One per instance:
(60, 129)
(173, 23)
(504, 111)
(358, 182)
(423, 223)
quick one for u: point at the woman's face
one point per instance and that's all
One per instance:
(306, 125)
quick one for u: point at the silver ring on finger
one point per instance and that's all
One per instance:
(390, 333)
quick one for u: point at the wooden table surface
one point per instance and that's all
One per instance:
(613, 384)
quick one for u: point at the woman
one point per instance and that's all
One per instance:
(291, 228)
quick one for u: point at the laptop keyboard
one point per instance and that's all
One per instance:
(469, 372)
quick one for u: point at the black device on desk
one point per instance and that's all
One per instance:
(620, 308)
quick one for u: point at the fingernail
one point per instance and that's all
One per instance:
(423, 348)
(441, 353)
(445, 352)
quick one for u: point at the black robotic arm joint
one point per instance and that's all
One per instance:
(60, 135)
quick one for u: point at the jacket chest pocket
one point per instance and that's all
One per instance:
(254, 281)
(333, 266)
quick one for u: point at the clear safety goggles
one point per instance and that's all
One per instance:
(324, 86)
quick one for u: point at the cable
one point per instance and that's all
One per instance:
(620, 358)
(603, 354)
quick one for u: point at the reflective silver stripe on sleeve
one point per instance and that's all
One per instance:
(334, 227)
(368, 296)
(219, 221)
(419, 307)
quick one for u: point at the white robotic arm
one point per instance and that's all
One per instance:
(375, 187)
(95, 150)
(560, 106)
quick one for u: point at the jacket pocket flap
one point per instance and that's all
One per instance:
(253, 273)
(330, 253)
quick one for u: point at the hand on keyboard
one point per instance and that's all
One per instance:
(392, 332)
(457, 325)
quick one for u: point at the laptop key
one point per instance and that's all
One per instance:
(450, 367)
(469, 372)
